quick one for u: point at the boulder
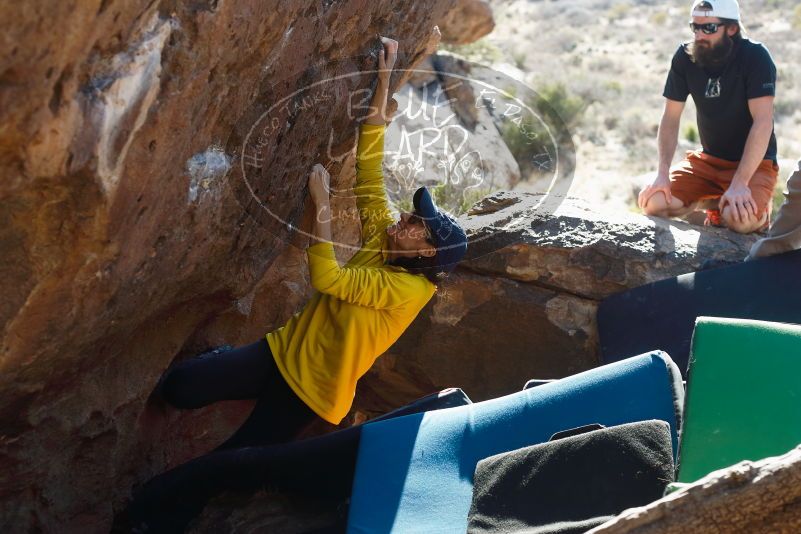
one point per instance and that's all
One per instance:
(568, 245)
(267, 512)
(467, 22)
(758, 497)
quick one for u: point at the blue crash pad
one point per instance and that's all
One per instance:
(415, 473)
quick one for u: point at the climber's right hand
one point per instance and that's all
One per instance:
(319, 185)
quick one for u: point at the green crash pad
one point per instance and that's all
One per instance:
(743, 399)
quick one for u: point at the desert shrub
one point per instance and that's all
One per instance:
(780, 4)
(659, 18)
(453, 191)
(481, 51)
(634, 128)
(691, 133)
(784, 106)
(455, 199)
(529, 140)
(618, 11)
(569, 107)
(778, 197)
(519, 59)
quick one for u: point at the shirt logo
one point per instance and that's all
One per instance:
(713, 88)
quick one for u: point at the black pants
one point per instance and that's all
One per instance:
(257, 456)
(244, 373)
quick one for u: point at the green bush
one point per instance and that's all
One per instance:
(691, 133)
(556, 96)
(778, 198)
(404, 204)
(481, 51)
(614, 86)
(618, 11)
(455, 193)
(520, 60)
(659, 18)
(784, 107)
(529, 140)
(779, 4)
(455, 199)
(524, 143)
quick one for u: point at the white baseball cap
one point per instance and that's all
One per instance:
(722, 9)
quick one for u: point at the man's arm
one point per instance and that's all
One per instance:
(739, 194)
(668, 135)
(667, 140)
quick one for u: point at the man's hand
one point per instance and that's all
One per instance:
(387, 57)
(742, 202)
(319, 185)
(661, 183)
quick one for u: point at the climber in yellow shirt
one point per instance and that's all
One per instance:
(307, 370)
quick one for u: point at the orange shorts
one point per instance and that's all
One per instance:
(703, 177)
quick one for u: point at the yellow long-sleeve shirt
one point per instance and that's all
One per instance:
(358, 310)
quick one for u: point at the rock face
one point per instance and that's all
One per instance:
(755, 497)
(523, 304)
(268, 512)
(127, 234)
(468, 22)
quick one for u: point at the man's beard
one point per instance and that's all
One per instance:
(712, 57)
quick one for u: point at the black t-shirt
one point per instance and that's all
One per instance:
(721, 98)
